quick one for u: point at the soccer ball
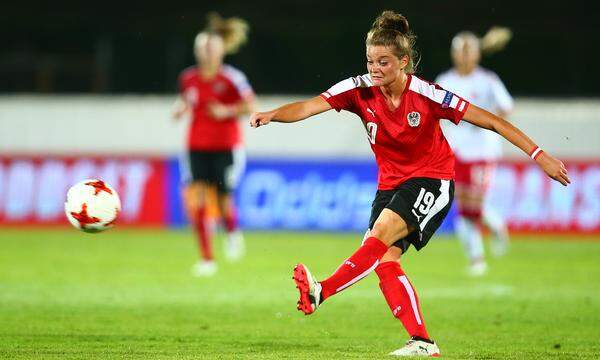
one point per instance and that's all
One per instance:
(92, 206)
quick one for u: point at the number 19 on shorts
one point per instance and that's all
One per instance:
(423, 204)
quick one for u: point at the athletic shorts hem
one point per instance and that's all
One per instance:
(411, 222)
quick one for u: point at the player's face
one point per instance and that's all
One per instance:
(209, 50)
(466, 56)
(383, 65)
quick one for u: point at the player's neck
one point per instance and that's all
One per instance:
(395, 89)
(208, 72)
(465, 70)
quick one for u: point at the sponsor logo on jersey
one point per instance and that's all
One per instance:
(447, 100)
(371, 112)
(414, 118)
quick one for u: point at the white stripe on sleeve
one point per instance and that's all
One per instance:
(349, 84)
(454, 102)
(238, 79)
(426, 89)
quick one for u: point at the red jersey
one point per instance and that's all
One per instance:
(228, 87)
(408, 141)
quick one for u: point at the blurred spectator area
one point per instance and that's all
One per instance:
(32, 69)
(106, 47)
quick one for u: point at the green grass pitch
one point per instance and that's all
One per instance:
(128, 294)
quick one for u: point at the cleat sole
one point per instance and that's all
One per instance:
(303, 287)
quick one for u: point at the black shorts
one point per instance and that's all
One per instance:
(422, 202)
(214, 167)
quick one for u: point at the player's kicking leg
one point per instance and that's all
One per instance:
(364, 260)
(391, 215)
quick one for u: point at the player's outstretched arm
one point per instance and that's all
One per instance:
(484, 119)
(291, 112)
(220, 111)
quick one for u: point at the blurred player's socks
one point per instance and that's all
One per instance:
(497, 225)
(203, 235)
(356, 267)
(469, 233)
(234, 247)
(230, 220)
(402, 298)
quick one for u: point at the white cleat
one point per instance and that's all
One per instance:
(478, 269)
(309, 288)
(417, 348)
(204, 268)
(235, 247)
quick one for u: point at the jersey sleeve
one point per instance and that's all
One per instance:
(451, 106)
(504, 102)
(240, 82)
(341, 96)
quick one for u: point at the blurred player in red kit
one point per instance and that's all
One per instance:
(215, 95)
(401, 114)
(476, 149)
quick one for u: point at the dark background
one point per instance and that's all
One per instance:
(294, 46)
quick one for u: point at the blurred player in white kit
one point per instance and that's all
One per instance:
(476, 150)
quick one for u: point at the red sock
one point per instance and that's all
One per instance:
(401, 297)
(356, 267)
(203, 235)
(230, 220)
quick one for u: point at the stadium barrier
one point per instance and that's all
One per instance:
(115, 125)
(309, 194)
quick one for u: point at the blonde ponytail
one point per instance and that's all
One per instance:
(495, 40)
(233, 31)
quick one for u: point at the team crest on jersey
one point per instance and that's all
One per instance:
(414, 118)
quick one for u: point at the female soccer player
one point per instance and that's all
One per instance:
(476, 149)
(401, 114)
(216, 95)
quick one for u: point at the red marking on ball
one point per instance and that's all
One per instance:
(83, 218)
(99, 186)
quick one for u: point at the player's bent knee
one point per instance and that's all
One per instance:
(389, 227)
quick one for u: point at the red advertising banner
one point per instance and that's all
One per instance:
(531, 202)
(33, 189)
